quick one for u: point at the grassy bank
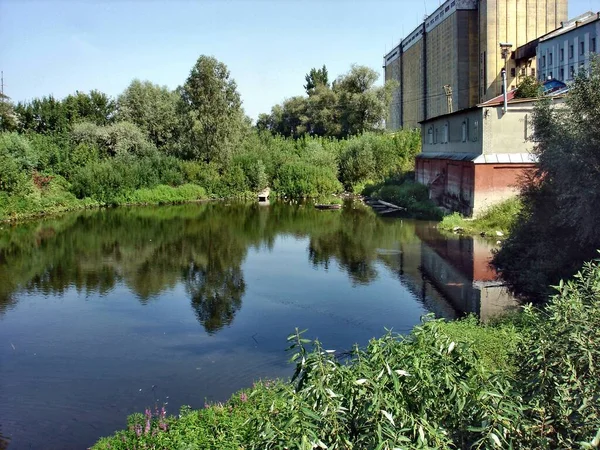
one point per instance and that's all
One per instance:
(527, 381)
(54, 199)
(500, 218)
(402, 191)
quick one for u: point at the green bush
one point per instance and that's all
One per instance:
(300, 179)
(560, 363)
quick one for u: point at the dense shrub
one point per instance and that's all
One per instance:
(104, 180)
(372, 157)
(300, 179)
(117, 139)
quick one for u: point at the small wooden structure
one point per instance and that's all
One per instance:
(263, 196)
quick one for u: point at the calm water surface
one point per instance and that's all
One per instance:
(104, 313)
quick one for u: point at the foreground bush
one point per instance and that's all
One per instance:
(526, 382)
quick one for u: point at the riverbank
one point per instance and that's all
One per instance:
(493, 386)
(495, 222)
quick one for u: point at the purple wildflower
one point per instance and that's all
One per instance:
(147, 430)
(244, 397)
(138, 430)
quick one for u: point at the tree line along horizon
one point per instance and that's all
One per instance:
(102, 149)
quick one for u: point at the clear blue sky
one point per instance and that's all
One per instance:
(57, 47)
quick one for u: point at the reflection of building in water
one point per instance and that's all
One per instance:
(460, 270)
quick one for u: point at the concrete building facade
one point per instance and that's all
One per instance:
(474, 158)
(565, 51)
(453, 61)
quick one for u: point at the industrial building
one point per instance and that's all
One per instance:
(453, 60)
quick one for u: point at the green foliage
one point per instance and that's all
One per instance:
(109, 181)
(316, 77)
(211, 114)
(117, 139)
(49, 115)
(8, 118)
(372, 158)
(300, 179)
(163, 194)
(561, 363)
(529, 87)
(351, 106)
(152, 108)
(501, 217)
(557, 229)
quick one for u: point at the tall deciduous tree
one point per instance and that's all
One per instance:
(151, 107)
(362, 105)
(211, 113)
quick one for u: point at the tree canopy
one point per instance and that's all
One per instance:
(151, 107)
(211, 112)
(350, 106)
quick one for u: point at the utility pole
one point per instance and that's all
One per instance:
(2, 84)
(448, 90)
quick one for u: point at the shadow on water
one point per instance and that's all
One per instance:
(99, 307)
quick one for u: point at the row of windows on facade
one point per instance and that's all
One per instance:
(433, 132)
(571, 52)
(561, 73)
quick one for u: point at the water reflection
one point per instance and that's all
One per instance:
(150, 250)
(97, 308)
(460, 269)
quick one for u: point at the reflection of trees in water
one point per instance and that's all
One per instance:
(152, 249)
(216, 294)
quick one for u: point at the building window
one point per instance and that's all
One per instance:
(544, 61)
(550, 76)
(572, 72)
(550, 58)
(512, 72)
(562, 74)
(464, 131)
(533, 72)
(475, 130)
(570, 52)
(430, 135)
(562, 54)
(593, 45)
(446, 133)
(581, 48)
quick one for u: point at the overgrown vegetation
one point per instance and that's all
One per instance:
(557, 229)
(152, 144)
(501, 217)
(525, 382)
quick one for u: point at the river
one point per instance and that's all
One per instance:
(104, 313)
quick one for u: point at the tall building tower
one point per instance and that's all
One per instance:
(453, 59)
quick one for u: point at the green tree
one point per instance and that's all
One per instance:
(151, 107)
(211, 113)
(42, 115)
(316, 77)
(362, 105)
(8, 118)
(558, 227)
(95, 107)
(529, 87)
